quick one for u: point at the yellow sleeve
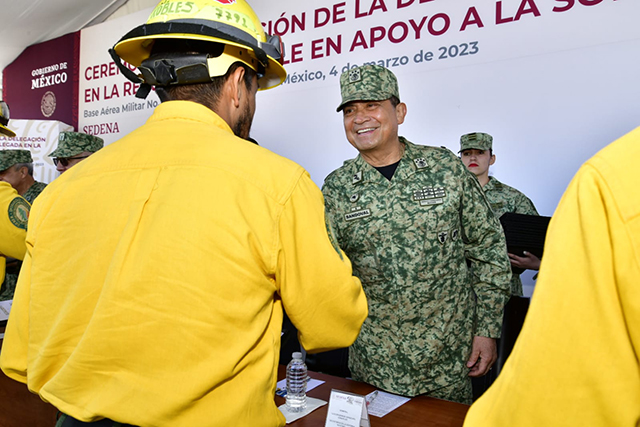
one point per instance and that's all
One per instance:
(323, 299)
(576, 359)
(14, 214)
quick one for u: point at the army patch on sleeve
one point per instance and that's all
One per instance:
(19, 212)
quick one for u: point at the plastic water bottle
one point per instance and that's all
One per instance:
(296, 384)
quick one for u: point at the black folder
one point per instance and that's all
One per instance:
(524, 233)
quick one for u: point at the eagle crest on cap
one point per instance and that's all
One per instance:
(354, 75)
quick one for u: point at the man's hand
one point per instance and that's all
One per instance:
(483, 355)
(529, 261)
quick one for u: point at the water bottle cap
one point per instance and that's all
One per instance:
(297, 355)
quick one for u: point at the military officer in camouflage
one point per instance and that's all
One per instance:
(16, 168)
(476, 152)
(409, 217)
(73, 147)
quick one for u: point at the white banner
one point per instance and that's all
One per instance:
(552, 80)
(41, 138)
(108, 107)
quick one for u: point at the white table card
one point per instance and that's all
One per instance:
(347, 410)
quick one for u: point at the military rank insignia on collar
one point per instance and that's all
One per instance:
(357, 177)
(420, 163)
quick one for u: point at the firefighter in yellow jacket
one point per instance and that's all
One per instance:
(157, 269)
(14, 211)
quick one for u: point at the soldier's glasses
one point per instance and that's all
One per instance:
(64, 161)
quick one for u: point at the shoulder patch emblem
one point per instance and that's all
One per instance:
(18, 212)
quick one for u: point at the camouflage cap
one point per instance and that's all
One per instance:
(476, 140)
(367, 83)
(73, 143)
(9, 158)
(4, 120)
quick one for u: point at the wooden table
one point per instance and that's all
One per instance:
(20, 408)
(420, 411)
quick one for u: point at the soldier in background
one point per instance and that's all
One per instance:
(73, 147)
(409, 216)
(16, 168)
(576, 361)
(476, 152)
(14, 214)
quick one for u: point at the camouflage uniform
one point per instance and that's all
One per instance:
(408, 240)
(71, 144)
(501, 197)
(34, 191)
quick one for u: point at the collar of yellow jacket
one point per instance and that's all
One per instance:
(194, 111)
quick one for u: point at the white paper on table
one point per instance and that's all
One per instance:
(5, 308)
(383, 403)
(312, 405)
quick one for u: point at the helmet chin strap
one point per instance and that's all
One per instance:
(144, 88)
(162, 94)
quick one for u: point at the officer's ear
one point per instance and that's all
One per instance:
(492, 159)
(401, 112)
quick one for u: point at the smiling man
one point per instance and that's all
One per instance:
(476, 152)
(409, 217)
